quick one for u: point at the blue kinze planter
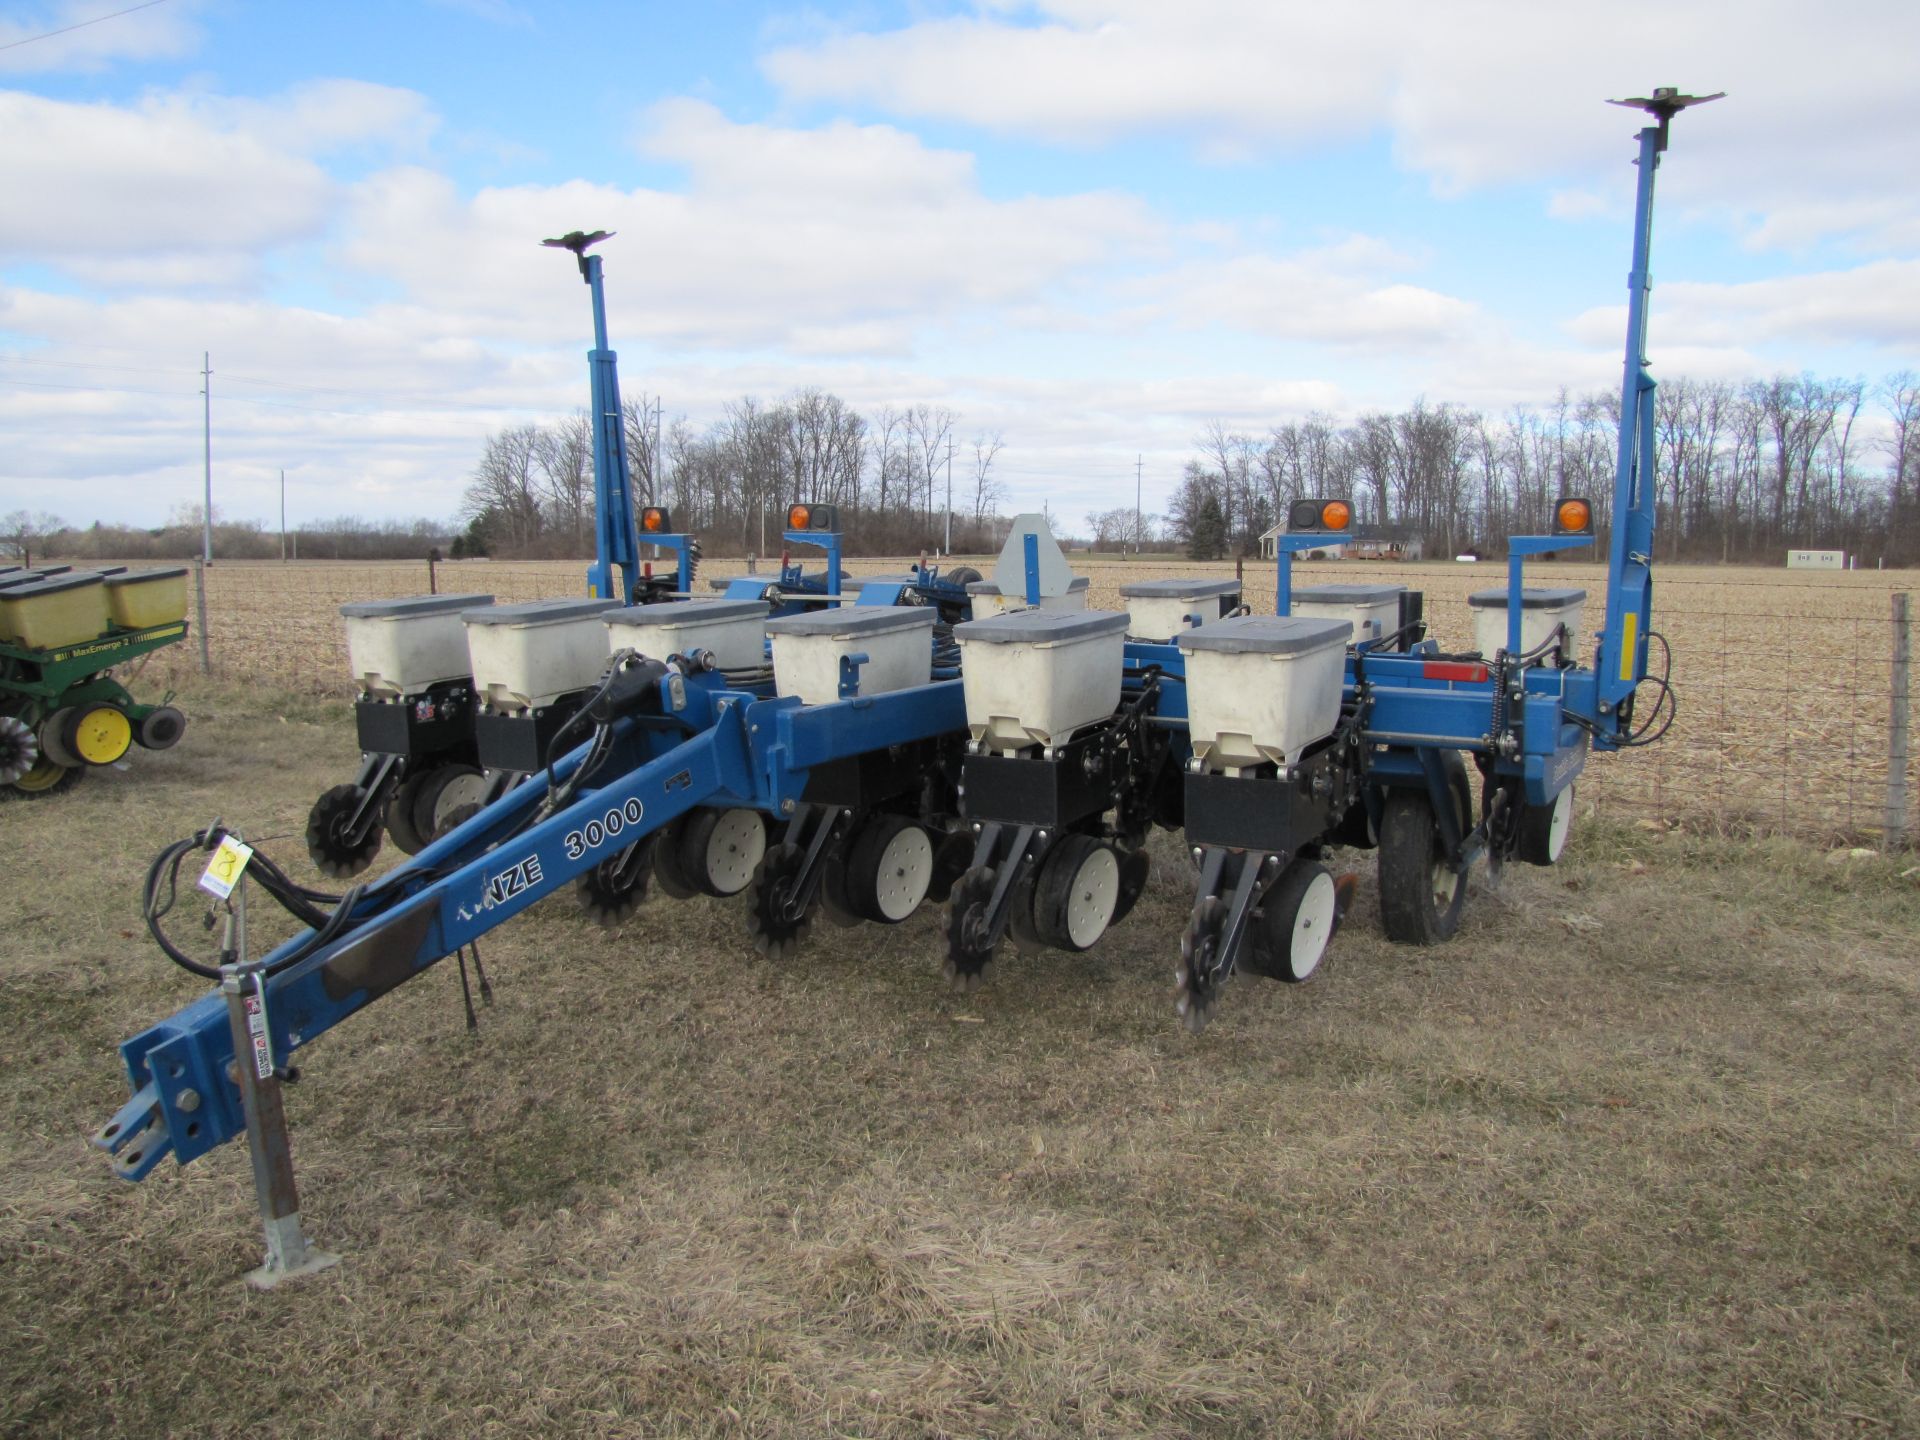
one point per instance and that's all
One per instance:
(873, 759)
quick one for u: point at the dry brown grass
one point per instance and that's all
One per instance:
(1783, 677)
(1633, 1156)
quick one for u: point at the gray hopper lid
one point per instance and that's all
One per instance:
(541, 612)
(410, 608)
(854, 621)
(52, 585)
(1266, 635)
(1349, 594)
(1178, 589)
(1529, 599)
(906, 579)
(686, 612)
(136, 577)
(1042, 627)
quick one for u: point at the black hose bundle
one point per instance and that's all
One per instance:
(162, 892)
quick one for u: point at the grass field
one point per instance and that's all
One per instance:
(1783, 676)
(1635, 1155)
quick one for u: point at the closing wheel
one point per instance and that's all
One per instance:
(969, 947)
(335, 851)
(1194, 994)
(19, 750)
(612, 890)
(97, 734)
(889, 868)
(1544, 830)
(962, 575)
(1296, 924)
(720, 849)
(776, 922)
(1421, 895)
(1076, 893)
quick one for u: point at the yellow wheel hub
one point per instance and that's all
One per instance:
(44, 775)
(101, 736)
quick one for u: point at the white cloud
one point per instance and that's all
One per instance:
(842, 238)
(1822, 116)
(1876, 304)
(182, 189)
(160, 32)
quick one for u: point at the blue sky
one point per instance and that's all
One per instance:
(1091, 226)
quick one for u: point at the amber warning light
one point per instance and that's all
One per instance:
(1319, 515)
(1573, 517)
(655, 522)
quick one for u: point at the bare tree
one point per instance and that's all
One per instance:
(503, 494)
(22, 528)
(563, 455)
(987, 491)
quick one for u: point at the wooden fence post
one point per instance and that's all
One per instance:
(1898, 738)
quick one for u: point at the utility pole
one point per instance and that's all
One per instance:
(1137, 463)
(949, 549)
(283, 514)
(659, 492)
(206, 440)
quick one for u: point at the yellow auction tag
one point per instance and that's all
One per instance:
(224, 870)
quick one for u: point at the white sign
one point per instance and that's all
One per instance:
(1816, 559)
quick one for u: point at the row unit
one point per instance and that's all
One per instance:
(46, 607)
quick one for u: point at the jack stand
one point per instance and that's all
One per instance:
(288, 1252)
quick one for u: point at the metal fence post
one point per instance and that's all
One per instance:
(1901, 704)
(200, 604)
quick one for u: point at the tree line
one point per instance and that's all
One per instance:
(731, 482)
(27, 534)
(1744, 470)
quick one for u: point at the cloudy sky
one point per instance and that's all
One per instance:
(1091, 225)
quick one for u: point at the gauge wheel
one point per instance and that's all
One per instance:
(42, 779)
(1296, 924)
(402, 828)
(1076, 893)
(721, 849)
(1545, 829)
(97, 734)
(667, 874)
(889, 868)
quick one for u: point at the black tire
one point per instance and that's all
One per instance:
(1135, 869)
(1421, 899)
(963, 576)
(953, 853)
(43, 780)
(162, 728)
(888, 869)
(673, 881)
(1545, 829)
(1076, 893)
(333, 852)
(1296, 924)
(720, 853)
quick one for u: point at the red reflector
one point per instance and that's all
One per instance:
(647, 569)
(1453, 670)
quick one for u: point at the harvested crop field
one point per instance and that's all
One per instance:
(1783, 677)
(1634, 1155)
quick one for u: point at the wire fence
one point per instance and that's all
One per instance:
(1783, 681)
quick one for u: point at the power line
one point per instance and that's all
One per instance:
(69, 29)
